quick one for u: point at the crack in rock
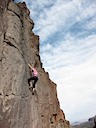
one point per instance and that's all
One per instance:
(9, 43)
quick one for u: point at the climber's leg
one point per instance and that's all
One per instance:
(30, 81)
(34, 82)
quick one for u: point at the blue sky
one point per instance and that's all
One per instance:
(67, 30)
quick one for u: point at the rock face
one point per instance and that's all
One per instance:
(18, 47)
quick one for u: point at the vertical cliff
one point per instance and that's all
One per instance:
(18, 47)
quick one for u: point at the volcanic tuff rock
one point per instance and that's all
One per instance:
(18, 47)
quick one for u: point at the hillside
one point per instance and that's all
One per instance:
(91, 123)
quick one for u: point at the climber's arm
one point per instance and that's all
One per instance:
(30, 66)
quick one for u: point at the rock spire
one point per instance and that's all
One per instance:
(18, 47)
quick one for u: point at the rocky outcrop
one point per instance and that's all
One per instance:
(91, 123)
(18, 47)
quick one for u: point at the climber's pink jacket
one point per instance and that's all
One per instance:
(34, 72)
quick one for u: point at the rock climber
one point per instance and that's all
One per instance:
(34, 78)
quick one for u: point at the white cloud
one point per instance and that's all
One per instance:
(61, 16)
(78, 89)
(56, 19)
(73, 69)
(91, 25)
(89, 11)
(68, 52)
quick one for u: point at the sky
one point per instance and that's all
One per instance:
(67, 31)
